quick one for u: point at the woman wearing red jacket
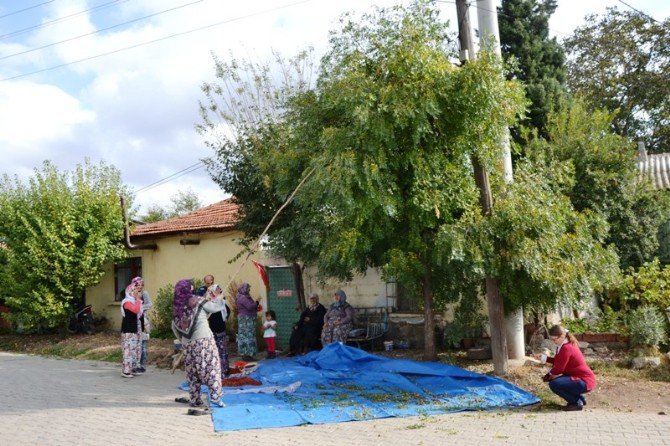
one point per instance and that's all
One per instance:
(570, 377)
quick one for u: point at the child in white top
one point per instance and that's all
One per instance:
(270, 333)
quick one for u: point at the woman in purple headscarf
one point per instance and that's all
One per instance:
(201, 356)
(247, 308)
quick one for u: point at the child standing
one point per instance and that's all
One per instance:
(270, 333)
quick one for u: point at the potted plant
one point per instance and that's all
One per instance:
(468, 325)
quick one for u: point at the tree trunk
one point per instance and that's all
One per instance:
(497, 321)
(429, 352)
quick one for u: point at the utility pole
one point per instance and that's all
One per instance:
(489, 34)
(493, 298)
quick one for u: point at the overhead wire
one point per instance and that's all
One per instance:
(637, 10)
(192, 168)
(160, 39)
(60, 19)
(25, 9)
(498, 12)
(101, 30)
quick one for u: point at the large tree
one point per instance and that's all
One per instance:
(59, 230)
(606, 180)
(620, 61)
(385, 140)
(388, 131)
(539, 60)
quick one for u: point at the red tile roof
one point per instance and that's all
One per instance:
(218, 217)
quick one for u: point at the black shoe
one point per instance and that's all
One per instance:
(198, 403)
(197, 412)
(572, 407)
(583, 400)
(182, 399)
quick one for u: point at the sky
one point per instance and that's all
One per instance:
(119, 80)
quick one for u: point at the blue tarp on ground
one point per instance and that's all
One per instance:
(341, 383)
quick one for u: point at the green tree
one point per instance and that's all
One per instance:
(389, 129)
(182, 203)
(59, 229)
(606, 180)
(386, 137)
(620, 61)
(540, 60)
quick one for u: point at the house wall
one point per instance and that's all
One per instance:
(172, 262)
(368, 290)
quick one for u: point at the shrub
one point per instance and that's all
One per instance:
(649, 285)
(647, 326)
(575, 326)
(161, 313)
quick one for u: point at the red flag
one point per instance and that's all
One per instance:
(262, 272)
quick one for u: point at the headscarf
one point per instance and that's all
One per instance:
(129, 297)
(243, 291)
(315, 305)
(214, 287)
(341, 302)
(184, 304)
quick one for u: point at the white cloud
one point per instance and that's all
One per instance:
(34, 115)
(136, 109)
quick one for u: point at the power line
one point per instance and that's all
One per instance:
(60, 19)
(174, 176)
(637, 10)
(25, 9)
(223, 22)
(499, 13)
(100, 30)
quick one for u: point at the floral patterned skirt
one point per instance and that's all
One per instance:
(246, 335)
(201, 358)
(335, 333)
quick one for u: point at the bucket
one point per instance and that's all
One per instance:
(388, 346)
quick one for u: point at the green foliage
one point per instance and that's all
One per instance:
(524, 37)
(59, 230)
(575, 326)
(648, 285)
(161, 313)
(181, 203)
(605, 180)
(620, 61)
(610, 321)
(469, 321)
(647, 326)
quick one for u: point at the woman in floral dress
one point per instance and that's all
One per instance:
(201, 356)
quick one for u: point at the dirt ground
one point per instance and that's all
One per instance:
(619, 389)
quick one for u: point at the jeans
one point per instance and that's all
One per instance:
(568, 389)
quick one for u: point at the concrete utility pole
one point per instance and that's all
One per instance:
(489, 34)
(493, 298)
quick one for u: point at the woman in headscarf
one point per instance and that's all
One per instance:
(145, 326)
(247, 308)
(201, 357)
(217, 323)
(306, 334)
(131, 307)
(338, 320)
